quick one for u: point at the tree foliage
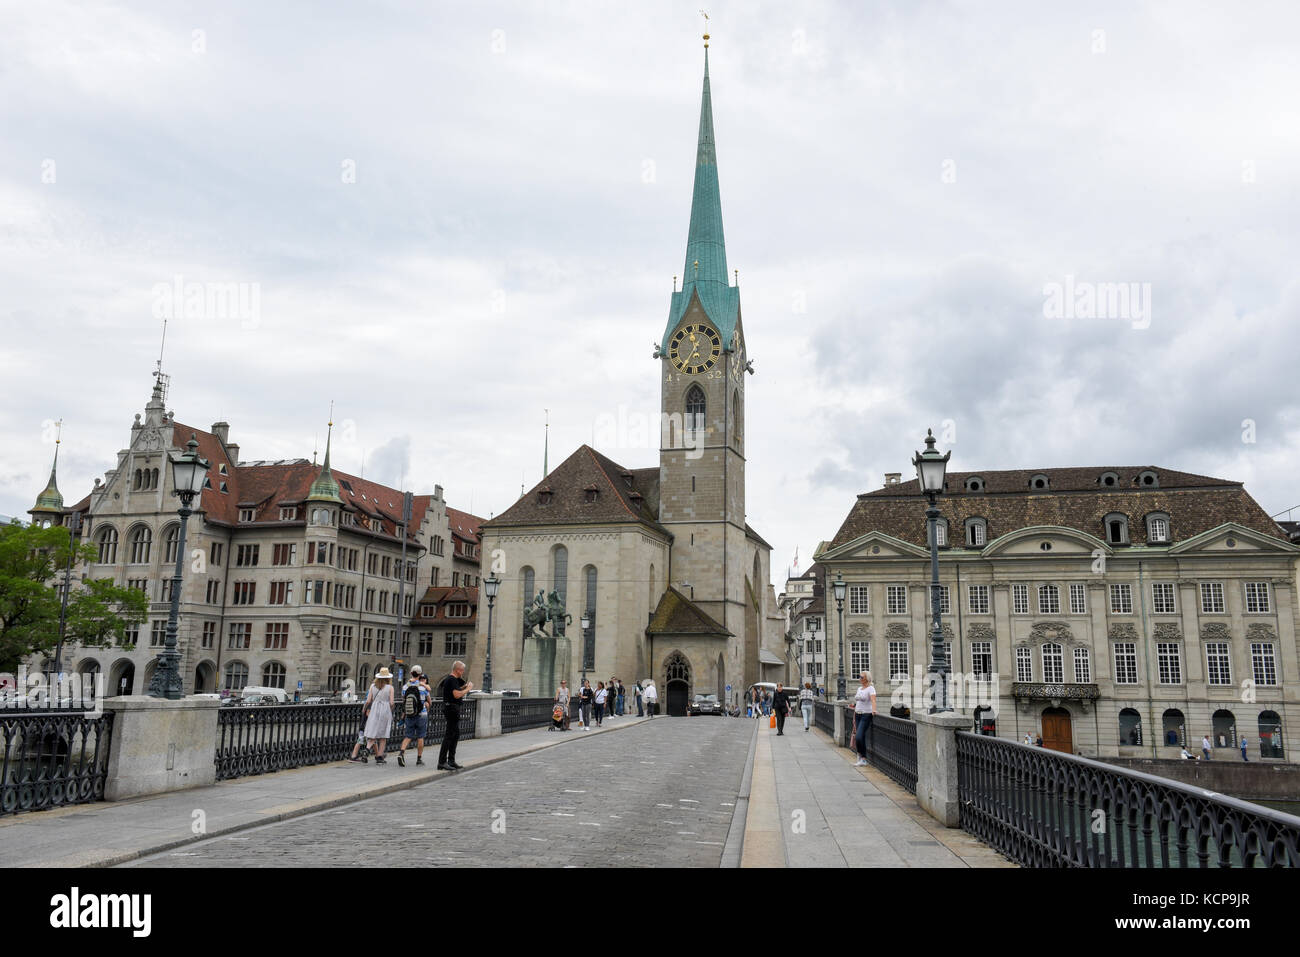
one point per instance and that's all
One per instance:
(32, 561)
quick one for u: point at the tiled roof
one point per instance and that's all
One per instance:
(622, 495)
(1074, 498)
(678, 615)
(754, 536)
(464, 525)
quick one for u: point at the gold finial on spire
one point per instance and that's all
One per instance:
(697, 269)
(58, 432)
(736, 272)
(331, 421)
(674, 283)
(706, 29)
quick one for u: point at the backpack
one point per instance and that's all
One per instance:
(411, 701)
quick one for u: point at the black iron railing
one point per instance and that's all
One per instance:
(259, 739)
(891, 747)
(824, 716)
(1044, 808)
(518, 714)
(52, 759)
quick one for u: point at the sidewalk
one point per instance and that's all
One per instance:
(810, 806)
(105, 834)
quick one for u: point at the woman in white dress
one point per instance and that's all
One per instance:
(379, 713)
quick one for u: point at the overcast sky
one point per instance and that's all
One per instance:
(450, 217)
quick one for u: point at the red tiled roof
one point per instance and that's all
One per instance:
(464, 524)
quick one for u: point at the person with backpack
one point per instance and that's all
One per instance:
(415, 709)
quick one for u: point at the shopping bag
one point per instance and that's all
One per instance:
(771, 720)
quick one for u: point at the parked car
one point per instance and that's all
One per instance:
(706, 704)
(277, 695)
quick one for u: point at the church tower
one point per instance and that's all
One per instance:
(702, 445)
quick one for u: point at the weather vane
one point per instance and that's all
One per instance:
(706, 28)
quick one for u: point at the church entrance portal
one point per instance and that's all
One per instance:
(677, 671)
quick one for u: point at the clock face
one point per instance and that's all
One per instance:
(695, 349)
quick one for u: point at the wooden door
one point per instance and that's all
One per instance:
(1057, 733)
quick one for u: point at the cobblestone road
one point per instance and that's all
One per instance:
(658, 794)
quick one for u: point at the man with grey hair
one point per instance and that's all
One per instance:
(454, 687)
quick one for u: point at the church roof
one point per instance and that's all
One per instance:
(678, 615)
(705, 273)
(587, 488)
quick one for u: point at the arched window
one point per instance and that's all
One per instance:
(652, 598)
(364, 680)
(758, 571)
(589, 605)
(1173, 729)
(560, 579)
(940, 532)
(273, 675)
(1039, 481)
(1270, 735)
(171, 539)
(1157, 528)
(677, 668)
(529, 578)
(107, 541)
(1225, 729)
(975, 484)
(236, 675)
(977, 531)
(1116, 527)
(153, 481)
(695, 409)
(138, 482)
(1108, 479)
(1130, 727)
(337, 675)
(141, 540)
(737, 427)
(320, 516)
(1147, 479)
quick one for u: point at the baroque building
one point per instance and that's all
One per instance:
(674, 581)
(1123, 611)
(296, 572)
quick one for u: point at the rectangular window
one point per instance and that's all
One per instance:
(246, 514)
(277, 635)
(246, 556)
(340, 637)
(1126, 667)
(1078, 598)
(241, 635)
(158, 634)
(979, 599)
(1263, 663)
(454, 645)
(284, 554)
(288, 513)
(1121, 599)
(368, 636)
(313, 593)
(1256, 598)
(981, 657)
(945, 601)
(1162, 598)
(859, 658)
(1049, 600)
(897, 599)
(1082, 666)
(209, 639)
(1053, 664)
(426, 644)
(975, 534)
(216, 553)
(1170, 661)
(1218, 663)
(1211, 598)
(245, 593)
(898, 664)
(281, 593)
(139, 584)
(940, 534)
(859, 600)
(1024, 664)
(1020, 599)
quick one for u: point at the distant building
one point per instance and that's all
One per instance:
(804, 602)
(1114, 611)
(295, 572)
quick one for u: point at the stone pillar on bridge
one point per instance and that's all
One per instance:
(160, 745)
(936, 764)
(487, 723)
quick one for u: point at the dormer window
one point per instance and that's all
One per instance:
(627, 479)
(224, 488)
(975, 484)
(1108, 479)
(592, 493)
(222, 469)
(1039, 481)
(1147, 479)
(977, 531)
(1157, 528)
(288, 513)
(544, 496)
(941, 533)
(1116, 526)
(245, 514)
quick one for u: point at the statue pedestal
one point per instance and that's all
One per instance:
(546, 661)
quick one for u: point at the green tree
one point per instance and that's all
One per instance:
(31, 562)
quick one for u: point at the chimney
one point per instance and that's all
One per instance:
(437, 492)
(232, 452)
(222, 431)
(893, 478)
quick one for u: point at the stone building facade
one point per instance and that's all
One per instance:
(1115, 611)
(295, 572)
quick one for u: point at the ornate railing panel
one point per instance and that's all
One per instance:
(1044, 808)
(824, 716)
(52, 759)
(1048, 691)
(891, 747)
(518, 714)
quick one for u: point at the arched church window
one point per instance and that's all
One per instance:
(560, 579)
(735, 417)
(695, 409)
(677, 668)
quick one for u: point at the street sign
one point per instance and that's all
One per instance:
(400, 672)
(728, 687)
(299, 685)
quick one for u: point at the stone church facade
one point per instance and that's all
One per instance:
(675, 582)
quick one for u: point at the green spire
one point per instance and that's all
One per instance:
(705, 273)
(51, 500)
(326, 487)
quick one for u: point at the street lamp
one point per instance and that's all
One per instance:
(74, 526)
(188, 471)
(586, 623)
(839, 587)
(930, 469)
(490, 588)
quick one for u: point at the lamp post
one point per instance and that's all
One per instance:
(930, 469)
(586, 624)
(490, 587)
(74, 525)
(839, 587)
(188, 471)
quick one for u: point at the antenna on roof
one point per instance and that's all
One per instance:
(315, 441)
(164, 381)
(546, 445)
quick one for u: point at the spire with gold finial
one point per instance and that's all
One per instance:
(49, 504)
(326, 487)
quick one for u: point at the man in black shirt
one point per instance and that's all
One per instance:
(454, 687)
(781, 706)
